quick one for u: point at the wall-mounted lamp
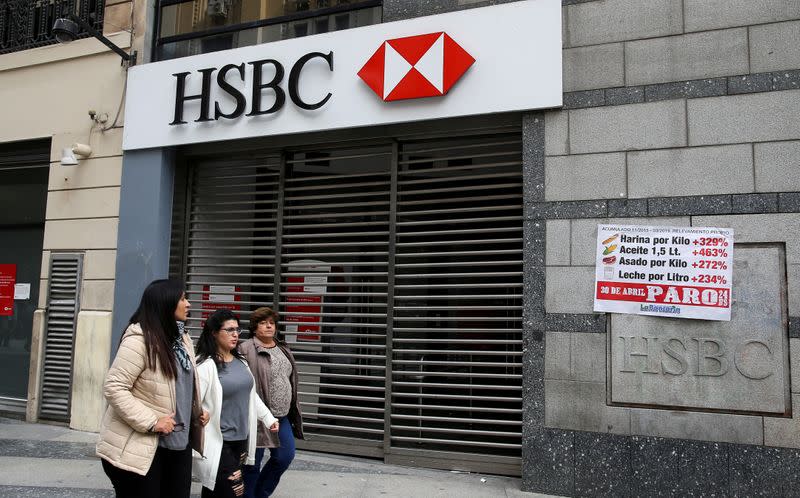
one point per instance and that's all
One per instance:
(66, 29)
(69, 155)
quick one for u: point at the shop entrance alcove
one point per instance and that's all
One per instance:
(396, 265)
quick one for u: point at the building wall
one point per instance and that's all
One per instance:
(676, 112)
(47, 93)
(681, 113)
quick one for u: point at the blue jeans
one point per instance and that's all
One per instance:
(262, 484)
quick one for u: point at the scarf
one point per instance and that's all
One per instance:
(180, 349)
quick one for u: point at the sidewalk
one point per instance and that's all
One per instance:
(38, 460)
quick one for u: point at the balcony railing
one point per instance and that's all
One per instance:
(28, 24)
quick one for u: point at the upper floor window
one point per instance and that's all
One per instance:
(28, 24)
(189, 27)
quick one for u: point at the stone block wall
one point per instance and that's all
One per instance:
(678, 113)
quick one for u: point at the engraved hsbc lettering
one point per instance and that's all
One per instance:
(695, 356)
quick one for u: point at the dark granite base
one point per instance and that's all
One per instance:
(602, 464)
(691, 89)
(574, 463)
(588, 323)
(763, 471)
(669, 467)
(699, 205)
(549, 463)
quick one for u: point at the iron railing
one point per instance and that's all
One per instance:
(28, 24)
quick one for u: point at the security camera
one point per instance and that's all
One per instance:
(82, 149)
(65, 30)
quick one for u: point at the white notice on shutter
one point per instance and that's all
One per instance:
(22, 292)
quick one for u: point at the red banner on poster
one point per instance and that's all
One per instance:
(664, 294)
(8, 277)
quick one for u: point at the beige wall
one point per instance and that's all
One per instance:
(47, 92)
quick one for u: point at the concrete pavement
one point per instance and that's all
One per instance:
(38, 460)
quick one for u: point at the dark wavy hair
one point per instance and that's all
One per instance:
(207, 342)
(156, 316)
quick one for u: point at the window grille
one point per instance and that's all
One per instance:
(28, 24)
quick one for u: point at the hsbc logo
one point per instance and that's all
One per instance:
(473, 62)
(402, 68)
(415, 67)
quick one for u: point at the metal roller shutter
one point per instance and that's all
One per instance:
(229, 233)
(336, 234)
(63, 303)
(396, 267)
(457, 342)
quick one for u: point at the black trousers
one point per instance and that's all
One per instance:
(170, 476)
(230, 483)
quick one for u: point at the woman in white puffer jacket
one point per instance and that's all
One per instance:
(227, 392)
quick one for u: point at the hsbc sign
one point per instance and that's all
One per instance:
(457, 64)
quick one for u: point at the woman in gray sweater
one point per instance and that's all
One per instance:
(227, 393)
(275, 371)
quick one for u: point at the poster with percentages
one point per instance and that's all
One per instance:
(664, 271)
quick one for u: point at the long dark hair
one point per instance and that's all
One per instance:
(156, 316)
(207, 343)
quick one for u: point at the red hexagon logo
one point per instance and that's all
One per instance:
(415, 67)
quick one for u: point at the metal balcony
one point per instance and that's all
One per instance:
(26, 24)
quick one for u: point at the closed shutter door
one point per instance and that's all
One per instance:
(396, 267)
(457, 341)
(229, 229)
(334, 288)
(63, 302)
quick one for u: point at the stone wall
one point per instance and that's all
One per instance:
(679, 113)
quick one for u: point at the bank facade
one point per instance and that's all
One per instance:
(433, 259)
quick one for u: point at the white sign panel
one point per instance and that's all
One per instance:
(477, 61)
(222, 293)
(22, 292)
(664, 271)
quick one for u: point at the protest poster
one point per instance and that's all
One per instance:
(679, 272)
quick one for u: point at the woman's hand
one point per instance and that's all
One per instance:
(274, 427)
(204, 418)
(165, 425)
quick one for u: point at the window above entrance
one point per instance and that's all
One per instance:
(190, 27)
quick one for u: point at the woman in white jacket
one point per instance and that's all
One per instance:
(227, 392)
